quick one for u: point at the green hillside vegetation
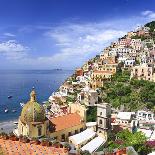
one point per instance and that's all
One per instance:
(91, 114)
(126, 138)
(133, 94)
(151, 25)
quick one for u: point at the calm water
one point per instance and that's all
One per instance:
(19, 85)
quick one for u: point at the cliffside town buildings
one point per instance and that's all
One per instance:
(65, 118)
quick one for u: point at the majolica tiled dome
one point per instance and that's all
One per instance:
(32, 111)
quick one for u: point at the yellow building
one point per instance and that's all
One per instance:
(98, 78)
(33, 122)
(64, 126)
(112, 67)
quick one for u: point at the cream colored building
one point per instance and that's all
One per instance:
(112, 67)
(103, 118)
(33, 122)
(144, 72)
(98, 78)
(88, 97)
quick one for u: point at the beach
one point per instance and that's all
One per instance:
(8, 126)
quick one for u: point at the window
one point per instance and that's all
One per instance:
(39, 131)
(100, 122)
(69, 133)
(76, 131)
(55, 138)
(81, 129)
(63, 137)
(100, 113)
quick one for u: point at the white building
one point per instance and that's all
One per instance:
(129, 62)
(82, 138)
(136, 44)
(103, 118)
(65, 89)
(88, 97)
(94, 144)
(125, 117)
(145, 115)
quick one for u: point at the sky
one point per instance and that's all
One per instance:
(48, 34)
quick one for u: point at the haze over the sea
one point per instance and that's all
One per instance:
(18, 83)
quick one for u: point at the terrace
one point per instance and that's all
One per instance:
(10, 147)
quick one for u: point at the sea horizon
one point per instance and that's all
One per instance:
(19, 83)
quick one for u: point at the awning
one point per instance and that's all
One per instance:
(93, 144)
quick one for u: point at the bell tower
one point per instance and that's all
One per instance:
(103, 118)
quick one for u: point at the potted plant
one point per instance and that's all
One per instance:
(50, 143)
(5, 136)
(0, 135)
(20, 138)
(67, 146)
(16, 138)
(25, 139)
(47, 143)
(11, 136)
(43, 142)
(35, 141)
(56, 144)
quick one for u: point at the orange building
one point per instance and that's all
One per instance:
(79, 72)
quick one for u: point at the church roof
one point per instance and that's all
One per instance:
(32, 111)
(65, 121)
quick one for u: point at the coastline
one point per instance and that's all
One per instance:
(8, 126)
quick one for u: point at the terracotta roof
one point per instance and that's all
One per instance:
(66, 121)
(15, 148)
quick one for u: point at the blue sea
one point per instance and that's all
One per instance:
(19, 84)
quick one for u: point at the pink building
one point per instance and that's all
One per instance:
(125, 42)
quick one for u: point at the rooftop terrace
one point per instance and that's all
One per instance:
(10, 147)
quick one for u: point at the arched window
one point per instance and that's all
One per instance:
(100, 122)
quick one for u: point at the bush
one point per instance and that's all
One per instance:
(84, 152)
(91, 114)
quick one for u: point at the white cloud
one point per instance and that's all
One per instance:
(13, 50)
(74, 43)
(148, 14)
(78, 42)
(9, 34)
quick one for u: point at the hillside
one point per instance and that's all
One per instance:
(133, 94)
(151, 25)
(130, 94)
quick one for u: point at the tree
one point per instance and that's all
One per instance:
(91, 114)
(126, 138)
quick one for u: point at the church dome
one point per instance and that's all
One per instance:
(32, 111)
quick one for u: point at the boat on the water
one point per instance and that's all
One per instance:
(14, 110)
(10, 97)
(15, 123)
(6, 110)
(44, 102)
(22, 104)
